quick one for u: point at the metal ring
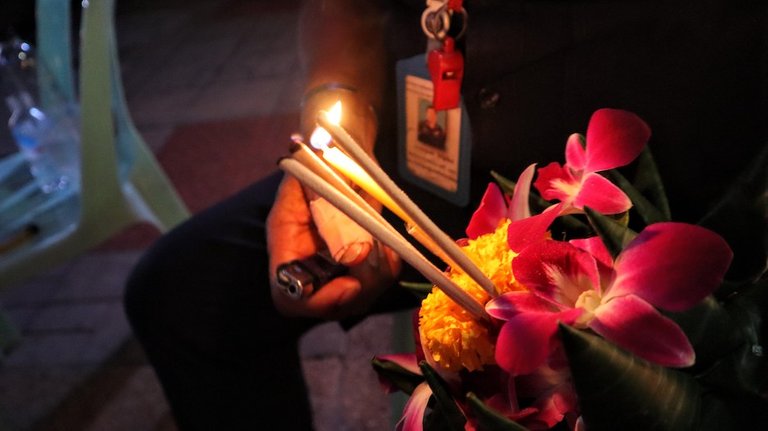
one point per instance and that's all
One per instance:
(465, 24)
(435, 22)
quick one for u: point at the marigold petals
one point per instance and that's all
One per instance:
(672, 265)
(636, 326)
(614, 138)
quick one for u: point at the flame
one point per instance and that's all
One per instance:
(320, 138)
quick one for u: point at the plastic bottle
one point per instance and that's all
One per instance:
(49, 141)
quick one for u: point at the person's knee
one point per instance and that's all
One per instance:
(149, 286)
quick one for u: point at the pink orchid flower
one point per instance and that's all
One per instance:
(669, 265)
(614, 139)
(495, 207)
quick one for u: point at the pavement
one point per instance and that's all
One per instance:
(78, 366)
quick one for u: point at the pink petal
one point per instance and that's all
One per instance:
(527, 231)
(557, 271)
(413, 414)
(672, 265)
(575, 154)
(525, 341)
(510, 304)
(554, 405)
(614, 138)
(596, 247)
(556, 182)
(635, 325)
(492, 209)
(601, 195)
(519, 208)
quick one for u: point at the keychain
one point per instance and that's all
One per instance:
(444, 62)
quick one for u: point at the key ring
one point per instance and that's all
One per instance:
(436, 20)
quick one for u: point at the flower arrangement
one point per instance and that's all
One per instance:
(598, 324)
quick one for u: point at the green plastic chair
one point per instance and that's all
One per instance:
(121, 182)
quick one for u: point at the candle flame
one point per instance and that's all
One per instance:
(320, 138)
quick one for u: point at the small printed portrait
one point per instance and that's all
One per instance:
(431, 129)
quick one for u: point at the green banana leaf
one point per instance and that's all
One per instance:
(741, 217)
(401, 378)
(421, 290)
(444, 410)
(647, 211)
(648, 182)
(618, 391)
(615, 235)
(489, 419)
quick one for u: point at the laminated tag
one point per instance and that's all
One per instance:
(434, 146)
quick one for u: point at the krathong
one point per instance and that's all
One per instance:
(609, 315)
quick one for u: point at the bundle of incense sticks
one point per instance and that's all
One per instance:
(314, 173)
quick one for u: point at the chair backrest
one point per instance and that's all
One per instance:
(121, 182)
(54, 50)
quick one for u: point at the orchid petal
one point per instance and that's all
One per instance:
(510, 304)
(519, 208)
(524, 342)
(413, 413)
(601, 195)
(636, 326)
(556, 271)
(672, 265)
(554, 405)
(596, 247)
(614, 138)
(527, 231)
(492, 209)
(575, 154)
(556, 182)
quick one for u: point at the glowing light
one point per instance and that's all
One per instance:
(320, 138)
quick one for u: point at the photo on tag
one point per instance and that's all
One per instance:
(433, 150)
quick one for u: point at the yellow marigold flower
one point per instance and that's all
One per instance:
(448, 333)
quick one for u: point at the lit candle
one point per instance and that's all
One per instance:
(386, 234)
(413, 212)
(321, 140)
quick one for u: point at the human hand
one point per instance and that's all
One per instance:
(291, 234)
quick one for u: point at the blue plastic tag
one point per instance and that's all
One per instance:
(433, 146)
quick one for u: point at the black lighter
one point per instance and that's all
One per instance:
(302, 277)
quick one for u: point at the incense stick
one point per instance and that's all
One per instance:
(453, 251)
(386, 234)
(301, 152)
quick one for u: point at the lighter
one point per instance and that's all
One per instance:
(302, 277)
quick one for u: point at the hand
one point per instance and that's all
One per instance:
(291, 235)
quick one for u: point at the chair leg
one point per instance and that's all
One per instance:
(155, 189)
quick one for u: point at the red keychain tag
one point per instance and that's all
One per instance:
(446, 68)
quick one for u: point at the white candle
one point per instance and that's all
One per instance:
(454, 252)
(386, 235)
